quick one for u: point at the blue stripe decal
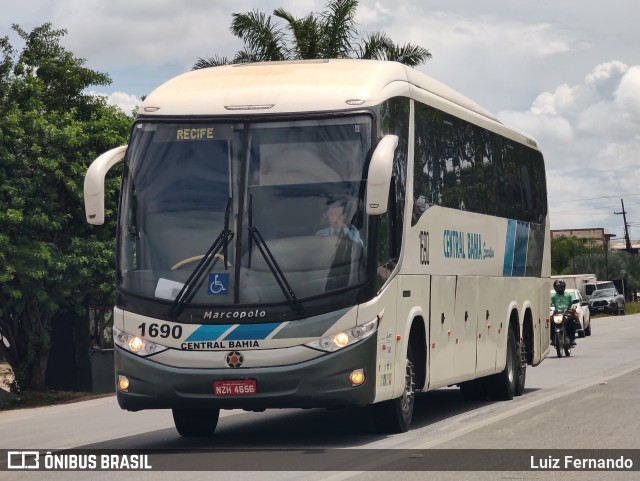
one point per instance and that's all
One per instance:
(509, 247)
(207, 333)
(520, 250)
(250, 332)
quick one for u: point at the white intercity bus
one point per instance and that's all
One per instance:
(321, 234)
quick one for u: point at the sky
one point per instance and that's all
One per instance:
(566, 72)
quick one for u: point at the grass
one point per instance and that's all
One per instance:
(32, 399)
(632, 308)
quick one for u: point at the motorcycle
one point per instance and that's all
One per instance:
(559, 335)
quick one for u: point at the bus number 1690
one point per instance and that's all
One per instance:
(161, 330)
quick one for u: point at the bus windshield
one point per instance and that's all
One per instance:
(284, 198)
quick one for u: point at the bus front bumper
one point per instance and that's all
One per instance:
(320, 382)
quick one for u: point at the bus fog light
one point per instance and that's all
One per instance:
(357, 377)
(123, 383)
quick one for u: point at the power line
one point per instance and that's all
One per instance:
(573, 213)
(589, 209)
(583, 210)
(596, 198)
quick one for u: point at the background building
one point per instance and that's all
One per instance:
(595, 236)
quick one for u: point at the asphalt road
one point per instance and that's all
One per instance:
(587, 401)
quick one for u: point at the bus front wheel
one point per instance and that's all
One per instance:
(195, 422)
(394, 416)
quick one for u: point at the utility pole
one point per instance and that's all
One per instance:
(627, 240)
(606, 258)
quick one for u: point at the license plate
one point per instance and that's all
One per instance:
(239, 387)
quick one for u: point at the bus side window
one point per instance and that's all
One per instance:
(384, 263)
(388, 241)
(527, 198)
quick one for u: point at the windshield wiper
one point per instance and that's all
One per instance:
(194, 281)
(271, 262)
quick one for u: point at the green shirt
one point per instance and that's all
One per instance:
(561, 302)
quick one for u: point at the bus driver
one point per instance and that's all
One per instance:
(337, 223)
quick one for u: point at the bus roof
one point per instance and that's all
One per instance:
(294, 86)
(267, 88)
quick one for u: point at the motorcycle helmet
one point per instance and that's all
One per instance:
(559, 286)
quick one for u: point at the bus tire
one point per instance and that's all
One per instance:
(395, 415)
(521, 364)
(503, 384)
(195, 422)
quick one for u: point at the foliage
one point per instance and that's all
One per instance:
(565, 250)
(570, 255)
(51, 260)
(616, 265)
(329, 34)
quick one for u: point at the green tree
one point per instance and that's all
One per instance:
(616, 265)
(51, 260)
(329, 34)
(564, 252)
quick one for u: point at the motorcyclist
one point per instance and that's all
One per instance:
(561, 302)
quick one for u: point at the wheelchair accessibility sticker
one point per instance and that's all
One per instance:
(218, 284)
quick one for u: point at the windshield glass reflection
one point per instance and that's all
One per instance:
(297, 183)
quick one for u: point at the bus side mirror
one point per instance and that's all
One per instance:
(94, 184)
(380, 172)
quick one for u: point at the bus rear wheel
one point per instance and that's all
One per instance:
(195, 422)
(395, 415)
(521, 373)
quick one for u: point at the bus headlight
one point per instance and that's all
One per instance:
(346, 338)
(137, 345)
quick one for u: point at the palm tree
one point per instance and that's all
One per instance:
(379, 46)
(330, 34)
